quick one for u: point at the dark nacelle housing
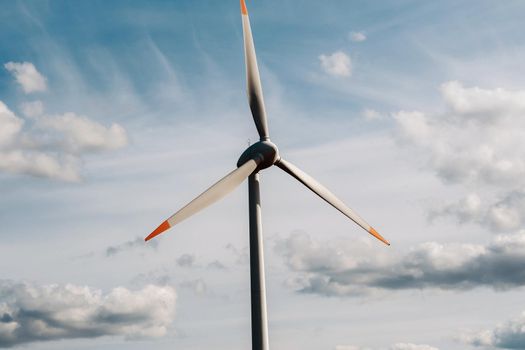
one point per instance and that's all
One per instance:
(266, 151)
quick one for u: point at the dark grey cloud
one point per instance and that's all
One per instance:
(510, 335)
(186, 260)
(31, 312)
(345, 268)
(137, 243)
(216, 264)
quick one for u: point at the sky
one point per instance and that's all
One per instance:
(113, 115)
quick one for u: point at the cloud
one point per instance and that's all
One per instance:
(81, 134)
(510, 335)
(27, 76)
(216, 264)
(350, 268)
(30, 312)
(397, 346)
(186, 260)
(32, 109)
(467, 209)
(409, 346)
(337, 64)
(137, 243)
(39, 164)
(197, 286)
(505, 214)
(371, 114)
(478, 142)
(483, 104)
(10, 125)
(52, 146)
(480, 139)
(242, 256)
(16, 156)
(357, 36)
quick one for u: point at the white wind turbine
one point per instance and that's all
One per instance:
(259, 156)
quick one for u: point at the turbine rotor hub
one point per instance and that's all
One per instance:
(266, 151)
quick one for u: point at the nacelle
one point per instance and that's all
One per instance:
(266, 151)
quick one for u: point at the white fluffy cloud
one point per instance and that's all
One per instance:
(337, 64)
(349, 268)
(54, 146)
(40, 164)
(27, 76)
(357, 36)
(505, 214)
(468, 209)
(16, 158)
(30, 312)
(509, 335)
(10, 125)
(483, 104)
(478, 142)
(479, 139)
(81, 134)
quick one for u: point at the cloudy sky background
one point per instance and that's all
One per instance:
(114, 115)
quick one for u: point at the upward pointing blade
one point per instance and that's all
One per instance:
(328, 196)
(254, 88)
(208, 197)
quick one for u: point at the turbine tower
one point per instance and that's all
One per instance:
(259, 156)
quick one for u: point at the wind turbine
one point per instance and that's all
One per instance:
(259, 156)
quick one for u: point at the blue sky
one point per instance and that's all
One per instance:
(115, 114)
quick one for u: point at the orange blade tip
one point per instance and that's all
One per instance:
(162, 227)
(244, 11)
(374, 233)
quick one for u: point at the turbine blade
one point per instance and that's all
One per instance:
(328, 196)
(253, 81)
(208, 197)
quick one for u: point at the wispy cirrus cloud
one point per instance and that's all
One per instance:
(32, 312)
